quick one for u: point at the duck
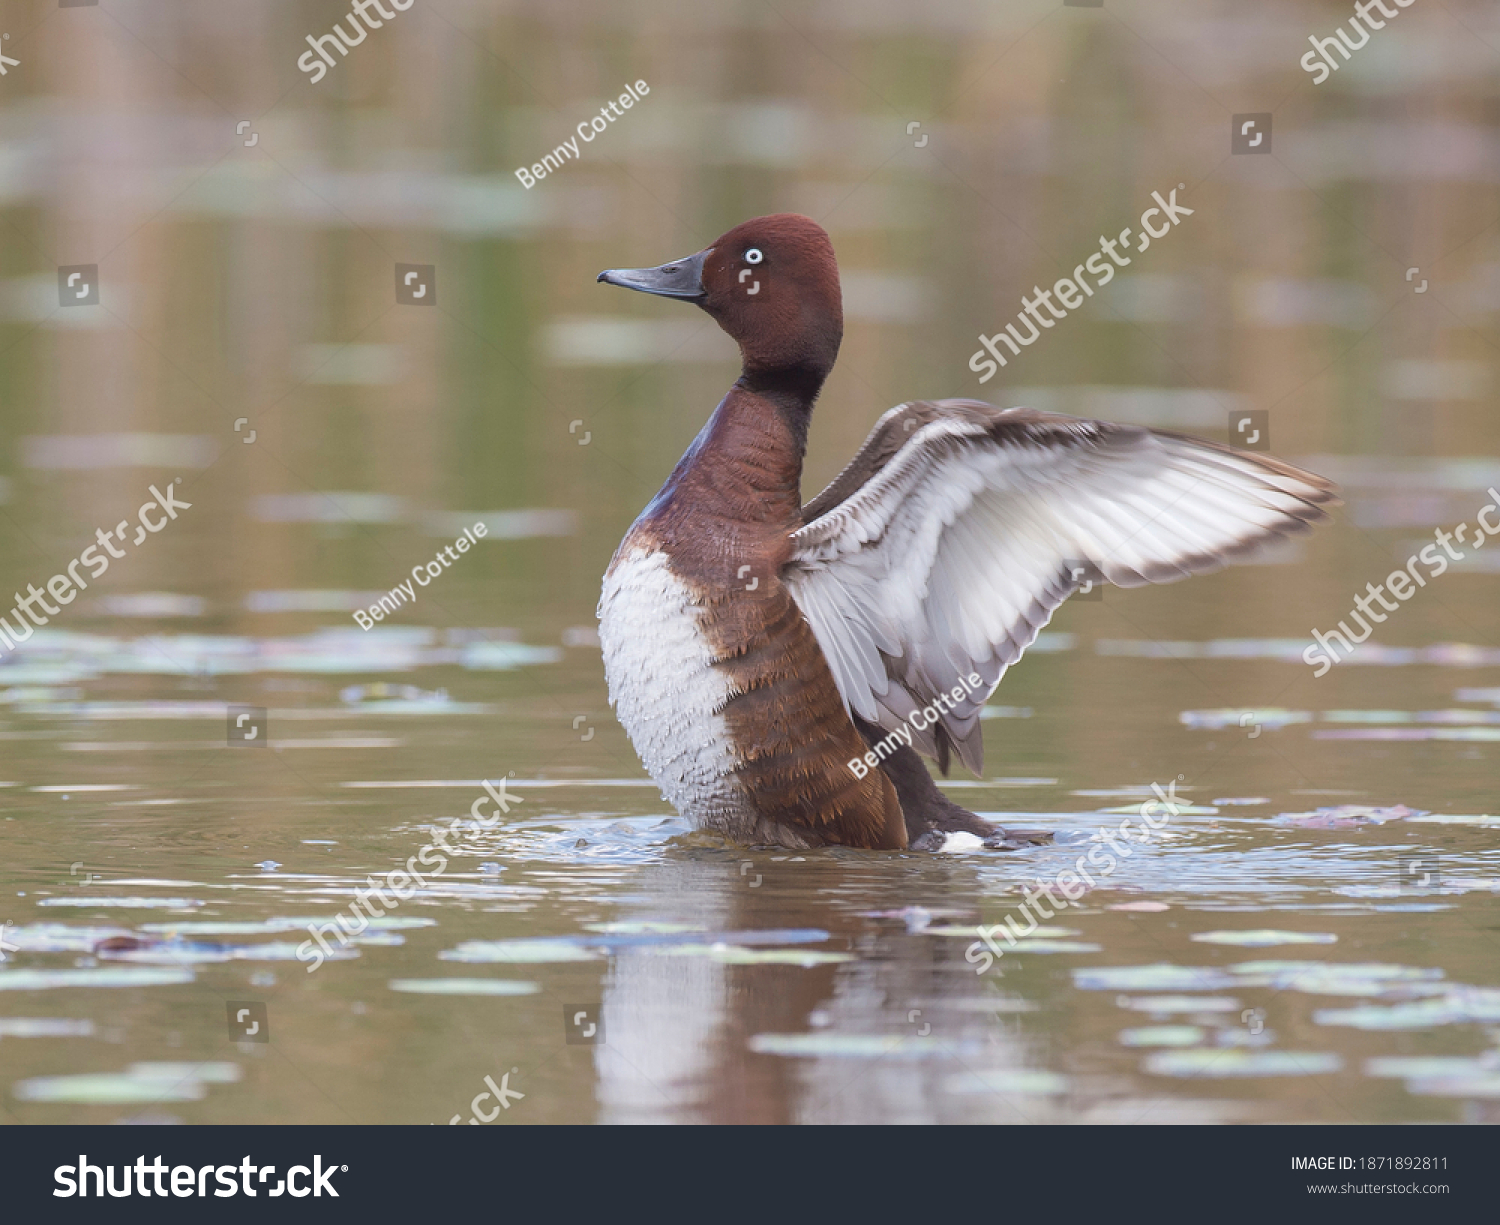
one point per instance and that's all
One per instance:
(782, 669)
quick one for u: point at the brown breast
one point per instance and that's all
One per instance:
(723, 520)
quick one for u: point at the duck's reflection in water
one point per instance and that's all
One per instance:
(903, 1030)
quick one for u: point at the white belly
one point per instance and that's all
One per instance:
(666, 693)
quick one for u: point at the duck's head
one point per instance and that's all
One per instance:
(772, 283)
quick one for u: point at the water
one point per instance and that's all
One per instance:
(1247, 963)
(1310, 936)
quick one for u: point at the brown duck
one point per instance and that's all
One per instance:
(779, 666)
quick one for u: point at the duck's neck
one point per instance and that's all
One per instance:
(791, 391)
(745, 466)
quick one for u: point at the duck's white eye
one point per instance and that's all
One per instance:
(753, 256)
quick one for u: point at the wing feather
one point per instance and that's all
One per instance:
(944, 548)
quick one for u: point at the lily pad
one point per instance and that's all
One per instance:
(1007, 1082)
(94, 976)
(1243, 1037)
(1337, 978)
(125, 903)
(1160, 977)
(245, 927)
(1179, 1003)
(1235, 1062)
(140, 1082)
(1419, 1014)
(463, 986)
(972, 933)
(1346, 816)
(1432, 1066)
(1263, 938)
(175, 952)
(1054, 946)
(734, 955)
(1162, 1035)
(828, 1043)
(1480, 819)
(45, 1027)
(1456, 1086)
(1459, 1004)
(1266, 720)
(1483, 735)
(521, 952)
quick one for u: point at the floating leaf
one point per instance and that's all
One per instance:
(1345, 816)
(125, 903)
(1433, 1065)
(242, 927)
(1459, 1004)
(45, 1027)
(463, 986)
(1159, 977)
(93, 976)
(1336, 978)
(1456, 1086)
(1054, 946)
(175, 952)
(828, 1043)
(140, 1082)
(1483, 820)
(1481, 735)
(1267, 720)
(1162, 1035)
(521, 952)
(1263, 938)
(1243, 1037)
(1420, 1014)
(1179, 1003)
(1007, 1082)
(1234, 1062)
(973, 933)
(734, 955)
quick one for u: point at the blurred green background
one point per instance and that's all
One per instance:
(258, 282)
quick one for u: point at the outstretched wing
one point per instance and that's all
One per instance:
(943, 549)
